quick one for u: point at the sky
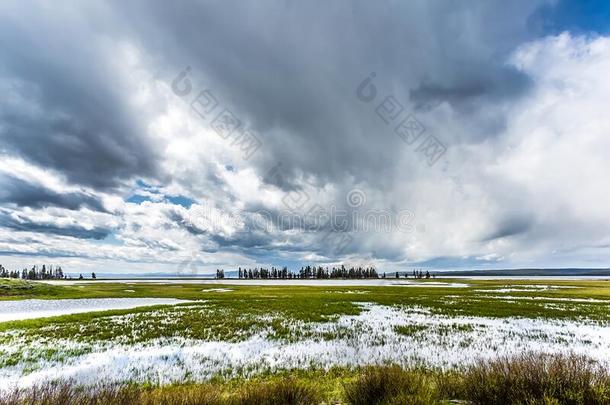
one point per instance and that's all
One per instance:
(143, 137)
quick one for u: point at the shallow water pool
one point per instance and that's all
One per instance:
(30, 309)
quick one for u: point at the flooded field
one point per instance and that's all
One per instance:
(238, 330)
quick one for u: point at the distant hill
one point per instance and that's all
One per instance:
(448, 273)
(185, 275)
(526, 272)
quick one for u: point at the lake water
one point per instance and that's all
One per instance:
(445, 281)
(30, 309)
(295, 282)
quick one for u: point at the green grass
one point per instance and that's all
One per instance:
(245, 310)
(19, 289)
(309, 304)
(410, 330)
(226, 314)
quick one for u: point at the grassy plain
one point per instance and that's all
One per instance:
(232, 313)
(233, 308)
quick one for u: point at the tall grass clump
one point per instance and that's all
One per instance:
(537, 379)
(390, 385)
(199, 394)
(287, 391)
(67, 393)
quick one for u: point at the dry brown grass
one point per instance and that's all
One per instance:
(200, 394)
(287, 391)
(69, 394)
(527, 379)
(538, 379)
(391, 385)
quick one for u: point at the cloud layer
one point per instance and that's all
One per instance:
(105, 166)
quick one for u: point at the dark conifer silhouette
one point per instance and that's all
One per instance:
(34, 273)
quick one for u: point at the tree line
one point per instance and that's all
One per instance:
(39, 273)
(319, 272)
(307, 272)
(417, 274)
(34, 273)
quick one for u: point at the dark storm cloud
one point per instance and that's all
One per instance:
(510, 227)
(40, 253)
(507, 83)
(255, 235)
(63, 109)
(23, 194)
(289, 68)
(292, 68)
(28, 225)
(248, 240)
(178, 218)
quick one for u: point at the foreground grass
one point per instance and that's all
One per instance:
(527, 379)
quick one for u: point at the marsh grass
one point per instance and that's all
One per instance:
(289, 391)
(275, 309)
(411, 329)
(391, 385)
(67, 393)
(286, 391)
(246, 303)
(537, 379)
(528, 379)
(219, 316)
